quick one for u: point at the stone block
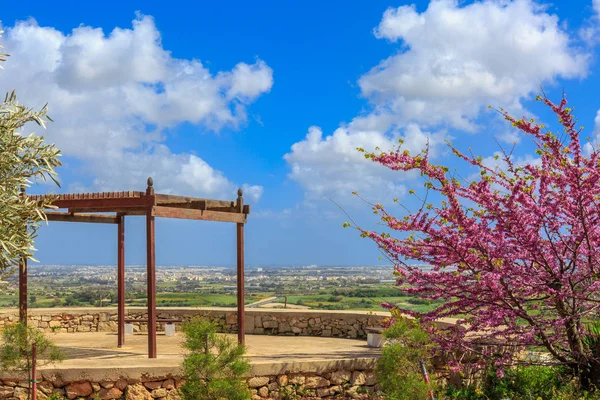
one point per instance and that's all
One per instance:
(263, 391)
(314, 382)
(270, 324)
(249, 326)
(282, 380)
(79, 389)
(340, 377)
(137, 392)
(110, 394)
(358, 378)
(258, 381)
(169, 384)
(159, 393)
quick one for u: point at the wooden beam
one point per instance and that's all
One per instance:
(121, 210)
(105, 203)
(91, 218)
(168, 199)
(186, 213)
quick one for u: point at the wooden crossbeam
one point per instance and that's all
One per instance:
(91, 218)
(122, 210)
(202, 215)
(105, 203)
(168, 199)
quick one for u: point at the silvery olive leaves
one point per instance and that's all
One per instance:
(25, 159)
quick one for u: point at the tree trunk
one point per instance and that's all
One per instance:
(590, 375)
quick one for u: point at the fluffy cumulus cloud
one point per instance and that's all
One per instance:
(451, 62)
(114, 96)
(332, 165)
(455, 60)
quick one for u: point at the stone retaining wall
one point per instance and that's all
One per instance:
(322, 384)
(341, 324)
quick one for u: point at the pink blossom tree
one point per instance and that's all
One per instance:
(515, 252)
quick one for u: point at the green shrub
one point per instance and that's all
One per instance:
(524, 383)
(398, 370)
(16, 349)
(213, 366)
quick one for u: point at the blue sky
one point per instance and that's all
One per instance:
(274, 97)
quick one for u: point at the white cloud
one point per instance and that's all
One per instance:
(331, 165)
(595, 139)
(452, 62)
(455, 60)
(113, 96)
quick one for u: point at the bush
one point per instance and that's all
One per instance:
(213, 366)
(398, 370)
(525, 383)
(16, 350)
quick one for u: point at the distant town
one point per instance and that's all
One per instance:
(310, 287)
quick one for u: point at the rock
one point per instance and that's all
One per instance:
(263, 391)
(249, 327)
(6, 392)
(258, 381)
(110, 326)
(110, 394)
(314, 382)
(270, 324)
(273, 386)
(96, 387)
(169, 384)
(10, 383)
(54, 323)
(80, 389)
(153, 385)
(326, 333)
(284, 327)
(173, 395)
(107, 384)
(340, 377)
(371, 379)
(137, 392)
(158, 393)
(298, 380)
(45, 387)
(21, 393)
(358, 378)
(282, 380)
(231, 318)
(121, 384)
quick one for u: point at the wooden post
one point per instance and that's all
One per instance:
(241, 321)
(151, 275)
(23, 291)
(121, 279)
(34, 371)
(23, 283)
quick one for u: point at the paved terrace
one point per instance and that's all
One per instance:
(95, 355)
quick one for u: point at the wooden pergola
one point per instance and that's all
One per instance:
(113, 207)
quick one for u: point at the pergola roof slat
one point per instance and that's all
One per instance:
(92, 218)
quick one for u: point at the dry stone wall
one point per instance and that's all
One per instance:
(258, 321)
(334, 384)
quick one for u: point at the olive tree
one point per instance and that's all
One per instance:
(25, 159)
